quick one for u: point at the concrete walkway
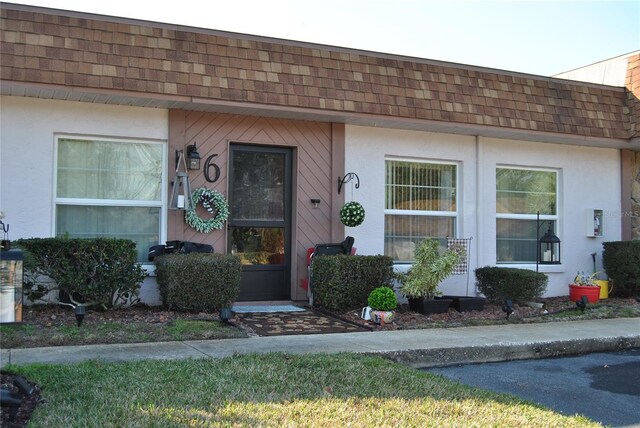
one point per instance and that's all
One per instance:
(418, 348)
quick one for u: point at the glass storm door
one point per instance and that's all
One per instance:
(260, 220)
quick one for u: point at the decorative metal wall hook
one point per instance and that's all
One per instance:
(347, 178)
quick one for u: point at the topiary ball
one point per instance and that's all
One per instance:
(352, 214)
(383, 299)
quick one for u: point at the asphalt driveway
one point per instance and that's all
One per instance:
(604, 387)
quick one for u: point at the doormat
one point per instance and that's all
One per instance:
(292, 323)
(239, 309)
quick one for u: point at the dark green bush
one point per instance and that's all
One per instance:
(500, 283)
(198, 281)
(101, 271)
(344, 282)
(383, 299)
(621, 260)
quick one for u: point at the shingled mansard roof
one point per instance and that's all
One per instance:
(75, 56)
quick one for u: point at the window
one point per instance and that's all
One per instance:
(520, 195)
(110, 188)
(420, 202)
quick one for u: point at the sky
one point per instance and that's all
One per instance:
(543, 37)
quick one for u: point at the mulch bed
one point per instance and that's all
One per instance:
(491, 314)
(59, 315)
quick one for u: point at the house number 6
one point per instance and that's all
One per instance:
(207, 168)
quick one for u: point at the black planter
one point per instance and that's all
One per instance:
(464, 303)
(426, 306)
(226, 314)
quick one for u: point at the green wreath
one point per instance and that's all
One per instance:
(352, 214)
(214, 203)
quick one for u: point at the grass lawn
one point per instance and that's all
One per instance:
(273, 390)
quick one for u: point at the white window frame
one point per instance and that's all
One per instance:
(162, 204)
(543, 217)
(454, 214)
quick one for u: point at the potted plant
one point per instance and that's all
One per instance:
(430, 268)
(584, 285)
(382, 301)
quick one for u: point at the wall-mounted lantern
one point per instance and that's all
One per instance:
(193, 157)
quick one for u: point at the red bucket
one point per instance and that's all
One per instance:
(577, 291)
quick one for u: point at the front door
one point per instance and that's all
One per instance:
(260, 220)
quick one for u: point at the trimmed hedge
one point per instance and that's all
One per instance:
(344, 282)
(198, 281)
(500, 283)
(100, 271)
(621, 260)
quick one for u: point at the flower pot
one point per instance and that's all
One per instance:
(382, 317)
(577, 291)
(464, 303)
(430, 306)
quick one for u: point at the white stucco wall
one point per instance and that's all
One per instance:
(589, 178)
(27, 134)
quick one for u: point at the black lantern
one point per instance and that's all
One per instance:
(193, 157)
(548, 246)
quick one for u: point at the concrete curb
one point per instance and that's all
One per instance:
(442, 357)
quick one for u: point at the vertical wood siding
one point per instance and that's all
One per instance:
(314, 168)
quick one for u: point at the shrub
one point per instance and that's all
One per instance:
(621, 260)
(383, 299)
(500, 283)
(344, 282)
(100, 271)
(198, 281)
(429, 269)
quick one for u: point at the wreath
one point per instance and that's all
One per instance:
(352, 214)
(214, 203)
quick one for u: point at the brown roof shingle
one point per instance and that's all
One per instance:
(152, 58)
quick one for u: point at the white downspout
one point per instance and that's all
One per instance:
(479, 206)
